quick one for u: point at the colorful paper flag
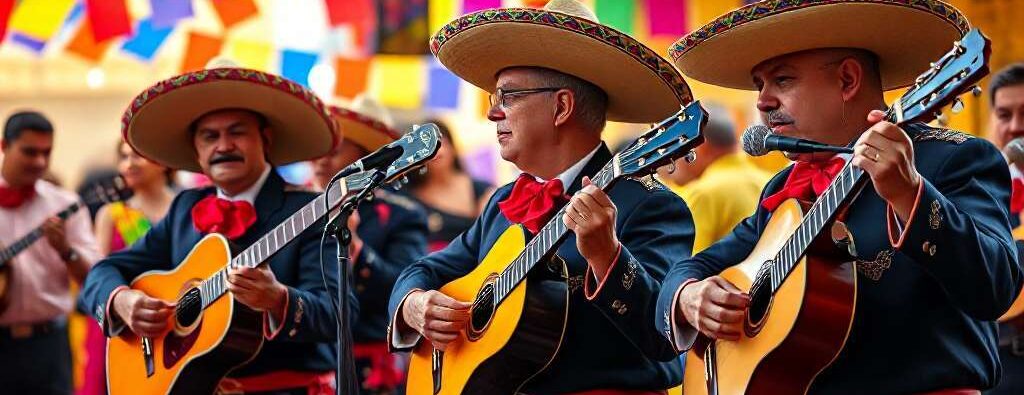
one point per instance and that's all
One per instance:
(6, 7)
(199, 50)
(167, 13)
(477, 5)
(85, 45)
(352, 76)
(337, 11)
(232, 12)
(667, 17)
(251, 54)
(295, 65)
(444, 88)
(147, 39)
(108, 18)
(399, 81)
(440, 13)
(33, 44)
(616, 13)
(40, 19)
(403, 28)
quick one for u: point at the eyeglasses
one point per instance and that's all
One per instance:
(500, 95)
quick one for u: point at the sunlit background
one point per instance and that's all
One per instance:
(81, 61)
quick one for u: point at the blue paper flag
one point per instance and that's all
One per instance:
(443, 88)
(35, 45)
(295, 65)
(147, 39)
(166, 13)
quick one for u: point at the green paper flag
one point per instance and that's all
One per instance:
(616, 13)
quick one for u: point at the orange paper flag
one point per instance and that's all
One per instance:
(234, 11)
(352, 75)
(201, 48)
(84, 44)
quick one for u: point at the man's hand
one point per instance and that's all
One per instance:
(436, 316)
(591, 215)
(258, 289)
(886, 153)
(146, 316)
(714, 307)
(53, 229)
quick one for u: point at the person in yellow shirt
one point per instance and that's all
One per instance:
(722, 186)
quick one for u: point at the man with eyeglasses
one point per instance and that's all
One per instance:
(549, 116)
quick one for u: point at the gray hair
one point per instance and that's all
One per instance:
(720, 130)
(591, 101)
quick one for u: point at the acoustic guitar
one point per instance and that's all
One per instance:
(518, 315)
(802, 284)
(210, 333)
(100, 193)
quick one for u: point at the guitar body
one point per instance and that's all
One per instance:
(501, 349)
(804, 329)
(189, 359)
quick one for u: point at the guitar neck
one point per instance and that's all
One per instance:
(548, 239)
(280, 236)
(27, 240)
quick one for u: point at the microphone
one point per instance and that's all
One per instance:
(759, 140)
(1014, 151)
(383, 157)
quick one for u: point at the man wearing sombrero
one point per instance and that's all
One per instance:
(233, 125)
(555, 75)
(935, 263)
(389, 233)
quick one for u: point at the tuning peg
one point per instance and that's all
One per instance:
(691, 156)
(958, 106)
(672, 167)
(405, 180)
(422, 170)
(976, 91)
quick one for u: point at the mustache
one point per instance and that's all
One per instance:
(222, 158)
(777, 117)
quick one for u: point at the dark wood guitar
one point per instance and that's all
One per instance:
(519, 314)
(210, 333)
(801, 283)
(103, 192)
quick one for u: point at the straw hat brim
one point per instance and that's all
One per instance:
(362, 130)
(156, 123)
(906, 36)
(641, 85)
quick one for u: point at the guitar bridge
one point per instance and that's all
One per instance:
(436, 365)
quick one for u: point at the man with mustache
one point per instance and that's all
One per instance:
(549, 109)
(233, 125)
(934, 258)
(35, 355)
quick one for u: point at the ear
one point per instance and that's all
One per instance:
(565, 104)
(4, 145)
(266, 135)
(851, 78)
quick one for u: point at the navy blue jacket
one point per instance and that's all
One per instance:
(925, 313)
(394, 233)
(607, 343)
(306, 340)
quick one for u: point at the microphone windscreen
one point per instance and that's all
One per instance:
(753, 140)
(1014, 151)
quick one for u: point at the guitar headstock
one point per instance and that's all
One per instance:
(952, 75)
(670, 139)
(418, 146)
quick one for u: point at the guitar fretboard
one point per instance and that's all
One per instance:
(28, 239)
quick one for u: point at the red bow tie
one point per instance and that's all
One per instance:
(532, 203)
(11, 197)
(806, 181)
(1017, 196)
(216, 215)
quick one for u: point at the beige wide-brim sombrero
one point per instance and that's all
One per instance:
(565, 36)
(156, 123)
(365, 123)
(905, 35)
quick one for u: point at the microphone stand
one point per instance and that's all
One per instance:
(345, 378)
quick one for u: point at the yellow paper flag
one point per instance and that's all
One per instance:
(250, 54)
(399, 80)
(441, 12)
(40, 19)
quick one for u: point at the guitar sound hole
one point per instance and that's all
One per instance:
(189, 307)
(481, 312)
(760, 301)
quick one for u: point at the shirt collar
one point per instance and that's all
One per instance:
(570, 174)
(248, 195)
